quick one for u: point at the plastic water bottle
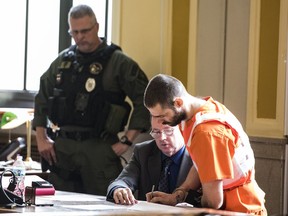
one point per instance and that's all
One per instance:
(20, 171)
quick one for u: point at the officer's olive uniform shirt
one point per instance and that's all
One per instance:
(121, 74)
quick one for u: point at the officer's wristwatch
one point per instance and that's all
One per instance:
(124, 139)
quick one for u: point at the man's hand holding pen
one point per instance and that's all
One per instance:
(179, 195)
(124, 196)
(161, 197)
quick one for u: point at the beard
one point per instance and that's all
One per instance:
(177, 118)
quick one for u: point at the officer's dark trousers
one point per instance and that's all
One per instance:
(85, 166)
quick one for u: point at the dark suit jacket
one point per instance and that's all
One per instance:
(143, 170)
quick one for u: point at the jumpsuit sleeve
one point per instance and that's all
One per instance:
(212, 151)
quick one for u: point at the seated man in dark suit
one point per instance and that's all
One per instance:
(143, 172)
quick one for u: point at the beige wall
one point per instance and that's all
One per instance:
(142, 32)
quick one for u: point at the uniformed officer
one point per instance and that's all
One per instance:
(80, 108)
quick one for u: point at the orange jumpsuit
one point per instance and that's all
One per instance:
(220, 149)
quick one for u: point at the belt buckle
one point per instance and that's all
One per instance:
(78, 136)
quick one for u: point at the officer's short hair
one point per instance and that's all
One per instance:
(80, 11)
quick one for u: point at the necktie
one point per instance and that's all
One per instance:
(164, 177)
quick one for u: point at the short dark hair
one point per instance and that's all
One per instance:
(80, 11)
(162, 89)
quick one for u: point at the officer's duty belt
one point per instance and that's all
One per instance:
(77, 135)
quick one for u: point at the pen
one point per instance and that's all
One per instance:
(153, 187)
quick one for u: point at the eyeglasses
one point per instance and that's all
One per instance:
(157, 133)
(74, 33)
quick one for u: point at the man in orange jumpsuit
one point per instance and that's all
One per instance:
(219, 147)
